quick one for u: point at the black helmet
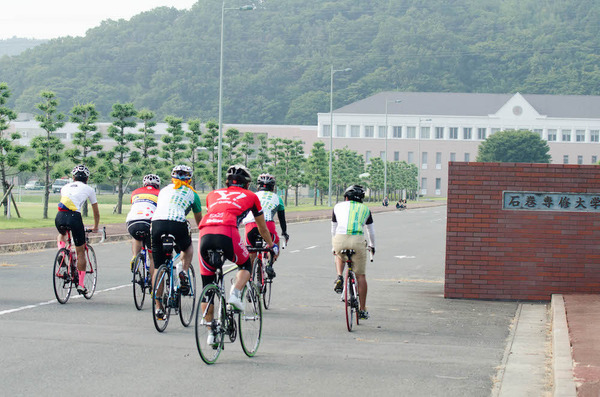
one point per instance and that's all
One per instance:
(238, 175)
(266, 182)
(355, 193)
(80, 173)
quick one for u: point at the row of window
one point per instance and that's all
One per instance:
(438, 158)
(464, 133)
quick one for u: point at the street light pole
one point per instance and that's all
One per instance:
(386, 145)
(331, 128)
(220, 141)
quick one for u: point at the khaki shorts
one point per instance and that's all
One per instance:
(355, 242)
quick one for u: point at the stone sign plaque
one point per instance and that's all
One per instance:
(540, 201)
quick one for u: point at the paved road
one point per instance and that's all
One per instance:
(416, 343)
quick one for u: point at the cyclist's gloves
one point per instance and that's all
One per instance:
(275, 249)
(372, 249)
(286, 236)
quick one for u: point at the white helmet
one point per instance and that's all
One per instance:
(182, 172)
(151, 179)
(81, 171)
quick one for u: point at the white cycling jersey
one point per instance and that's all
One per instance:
(270, 202)
(74, 195)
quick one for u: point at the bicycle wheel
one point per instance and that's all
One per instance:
(187, 302)
(266, 295)
(160, 299)
(61, 277)
(139, 281)
(257, 273)
(91, 273)
(210, 327)
(250, 320)
(348, 299)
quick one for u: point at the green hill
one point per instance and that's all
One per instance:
(277, 58)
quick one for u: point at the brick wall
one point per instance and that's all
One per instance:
(496, 253)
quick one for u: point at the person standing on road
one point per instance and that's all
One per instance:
(143, 205)
(271, 204)
(174, 203)
(72, 198)
(347, 223)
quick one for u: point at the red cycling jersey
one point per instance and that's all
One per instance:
(228, 206)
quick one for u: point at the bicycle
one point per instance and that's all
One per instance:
(65, 274)
(142, 280)
(215, 319)
(350, 293)
(259, 278)
(167, 293)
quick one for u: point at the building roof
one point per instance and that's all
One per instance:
(472, 104)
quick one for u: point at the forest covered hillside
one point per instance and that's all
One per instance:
(277, 58)
(17, 45)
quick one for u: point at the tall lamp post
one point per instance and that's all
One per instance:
(220, 143)
(331, 128)
(387, 101)
(419, 154)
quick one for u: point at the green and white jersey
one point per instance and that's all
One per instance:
(174, 204)
(270, 203)
(349, 217)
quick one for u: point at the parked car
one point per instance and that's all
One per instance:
(59, 183)
(34, 185)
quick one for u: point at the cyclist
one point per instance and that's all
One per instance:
(72, 198)
(226, 208)
(143, 205)
(271, 203)
(174, 203)
(349, 218)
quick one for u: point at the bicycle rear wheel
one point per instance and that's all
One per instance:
(210, 327)
(250, 320)
(187, 302)
(349, 299)
(257, 273)
(91, 273)
(161, 299)
(139, 280)
(61, 277)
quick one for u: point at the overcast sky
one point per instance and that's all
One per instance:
(48, 19)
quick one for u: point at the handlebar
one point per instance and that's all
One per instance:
(103, 231)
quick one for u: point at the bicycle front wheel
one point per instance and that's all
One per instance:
(139, 281)
(91, 273)
(349, 299)
(250, 320)
(160, 302)
(210, 326)
(61, 277)
(187, 302)
(257, 273)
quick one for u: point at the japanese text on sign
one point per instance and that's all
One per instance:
(537, 201)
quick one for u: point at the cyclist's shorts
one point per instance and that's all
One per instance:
(355, 242)
(179, 230)
(140, 230)
(252, 233)
(71, 220)
(226, 238)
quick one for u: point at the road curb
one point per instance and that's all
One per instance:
(562, 359)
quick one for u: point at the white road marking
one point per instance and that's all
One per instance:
(311, 247)
(404, 257)
(294, 251)
(18, 309)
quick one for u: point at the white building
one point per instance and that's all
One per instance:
(430, 129)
